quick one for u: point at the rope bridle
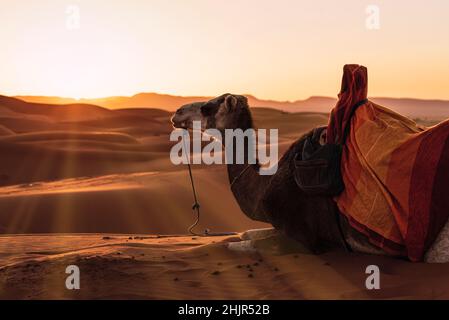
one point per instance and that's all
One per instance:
(196, 205)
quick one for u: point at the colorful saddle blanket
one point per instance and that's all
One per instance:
(396, 173)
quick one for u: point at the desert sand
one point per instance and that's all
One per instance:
(152, 267)
(82, 184)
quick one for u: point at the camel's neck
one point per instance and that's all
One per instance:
(240, 162)
(237, 152)
(247, 184)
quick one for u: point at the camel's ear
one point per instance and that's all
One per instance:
(230, 103)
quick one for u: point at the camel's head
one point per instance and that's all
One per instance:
(186, 114)
(228, 111)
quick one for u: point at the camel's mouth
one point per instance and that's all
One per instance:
(181, 125)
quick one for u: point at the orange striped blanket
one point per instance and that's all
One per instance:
(396, 173)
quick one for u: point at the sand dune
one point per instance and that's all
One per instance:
(150, 267)
(67, 112)
(4, 131)
(147, 113)
(72, 135)
(137, 203)
(38, 161)
(290, 125)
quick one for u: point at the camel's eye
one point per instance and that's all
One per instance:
(180, 111)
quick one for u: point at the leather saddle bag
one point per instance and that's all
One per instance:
(317, 168)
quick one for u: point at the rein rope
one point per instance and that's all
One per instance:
(196, 205)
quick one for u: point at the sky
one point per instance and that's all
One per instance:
(278, 49)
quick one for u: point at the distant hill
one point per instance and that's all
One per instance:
(414, 108)
(141, 100)
(171, 102)
(18, 108)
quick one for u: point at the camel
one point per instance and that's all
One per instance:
(314, 221)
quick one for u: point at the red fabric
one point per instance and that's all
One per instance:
(396, 173)
(429, 204)
(354, 88)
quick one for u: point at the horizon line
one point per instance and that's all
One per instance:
(210, 96)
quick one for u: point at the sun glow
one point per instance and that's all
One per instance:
(283, 50)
